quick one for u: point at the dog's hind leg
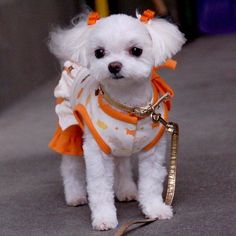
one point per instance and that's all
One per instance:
(151, 177)
(73, 174)
(100, 177)
(125, 187)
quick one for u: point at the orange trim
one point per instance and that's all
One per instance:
(79, 119)
(130, 118)
(160, 133)
(116, 114)
(81, 110)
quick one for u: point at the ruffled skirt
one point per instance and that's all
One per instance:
(68, 142)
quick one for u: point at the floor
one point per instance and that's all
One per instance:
(31, 194)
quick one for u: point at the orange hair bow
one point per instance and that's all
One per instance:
(92, 18)
(147, 15)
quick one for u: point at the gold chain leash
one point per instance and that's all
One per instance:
(173, 129)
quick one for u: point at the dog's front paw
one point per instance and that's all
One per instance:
(159, 211)
(127, 192)
(104, 219)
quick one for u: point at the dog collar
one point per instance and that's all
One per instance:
(142, 111)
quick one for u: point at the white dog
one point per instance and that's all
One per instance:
(118, 54)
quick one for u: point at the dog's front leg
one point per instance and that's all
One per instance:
(151, 177)
(100, 177)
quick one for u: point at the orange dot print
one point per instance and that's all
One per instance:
(130, 132)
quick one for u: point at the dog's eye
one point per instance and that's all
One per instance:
(137, 52)
(99, 53)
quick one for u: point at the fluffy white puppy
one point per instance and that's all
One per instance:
(119, 53)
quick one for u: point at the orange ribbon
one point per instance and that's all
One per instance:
(147, 15)
(92, 18)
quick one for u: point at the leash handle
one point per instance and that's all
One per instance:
(121, 231)
(172, 128)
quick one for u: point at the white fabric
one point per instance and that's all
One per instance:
(123, 138)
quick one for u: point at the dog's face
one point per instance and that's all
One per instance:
(118, 48)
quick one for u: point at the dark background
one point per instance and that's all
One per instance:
(25, 24)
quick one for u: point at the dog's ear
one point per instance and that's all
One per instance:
(167, 39)
(70, 44)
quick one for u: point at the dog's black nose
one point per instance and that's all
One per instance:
(114, 67)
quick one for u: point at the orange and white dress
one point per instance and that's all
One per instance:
(116, 132)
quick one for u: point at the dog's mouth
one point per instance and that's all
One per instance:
(117, 77)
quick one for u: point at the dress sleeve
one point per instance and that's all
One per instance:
(62, 93)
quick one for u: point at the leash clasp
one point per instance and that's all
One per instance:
(150, 109)
(143, 111)
(170, 127)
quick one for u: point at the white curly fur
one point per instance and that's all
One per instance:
(117, 34)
